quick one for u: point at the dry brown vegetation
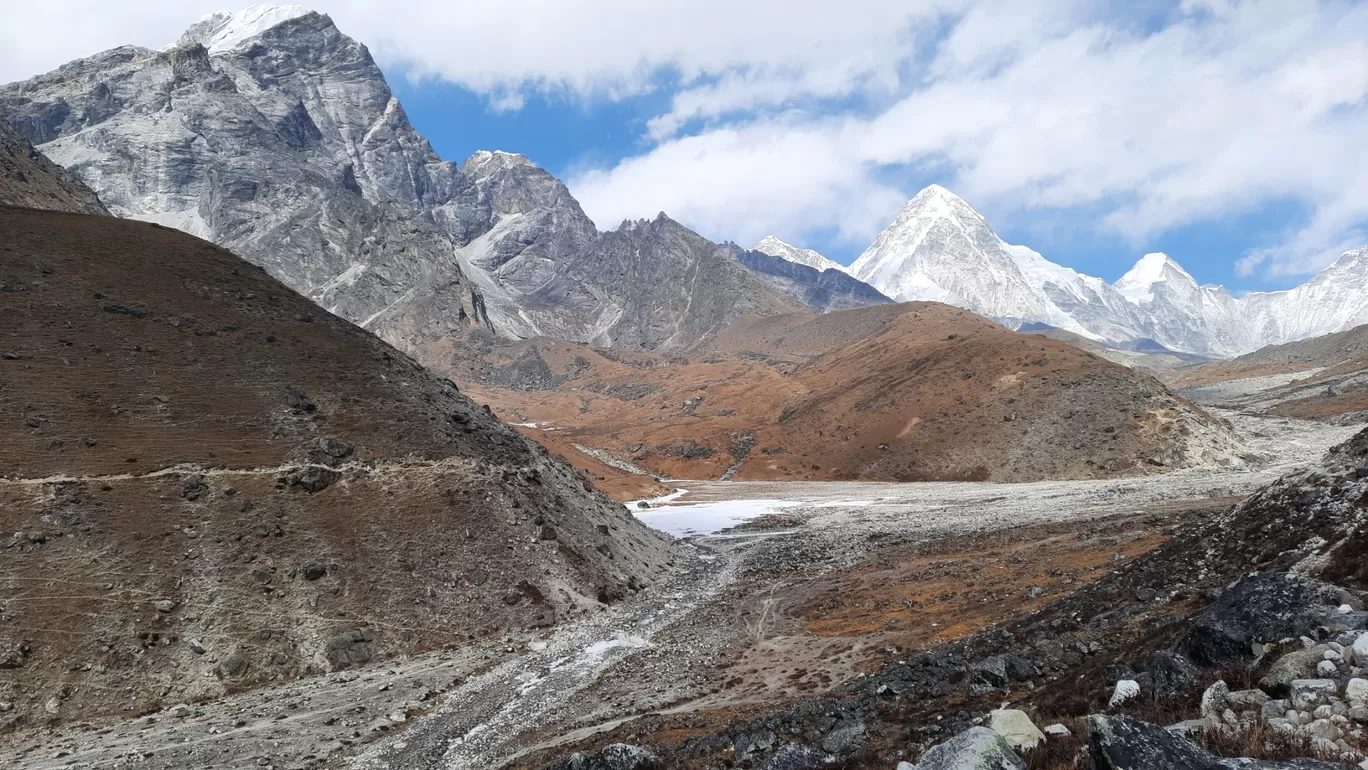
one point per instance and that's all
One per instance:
(910, 392)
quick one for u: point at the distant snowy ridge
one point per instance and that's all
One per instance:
(776, 248)
(940, 249)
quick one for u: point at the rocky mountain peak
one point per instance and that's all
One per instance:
(223, 31)
(486, 163)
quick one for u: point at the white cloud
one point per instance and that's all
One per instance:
(793, 115)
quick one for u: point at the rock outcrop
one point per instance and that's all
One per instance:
(278, 138)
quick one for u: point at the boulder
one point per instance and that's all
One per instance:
(617, 756)
(1171, 674)
(977, 748)
(1307, 694)
(1263, 607)
(1015, 727)
(1356, 691)
(1126, 743)
(1300, 664)
(794, 756)
(349, 648)
(1126, 689)
(1241, 701)
(1215, 701)
(844, 737)
(1360, 650)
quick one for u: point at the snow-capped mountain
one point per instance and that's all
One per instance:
(270, 132)
(777, 248)
(940, 249)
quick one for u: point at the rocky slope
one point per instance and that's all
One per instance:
(938, 248)
(907, 392)
(29, 179)
(214, 484)
(273, 134)
(1239, 641)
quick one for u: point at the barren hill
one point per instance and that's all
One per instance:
(1323, 378)
(907, 392)
(28, 178)
(215, 484)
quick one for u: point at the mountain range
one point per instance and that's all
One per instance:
(275, 135)
(940, 249)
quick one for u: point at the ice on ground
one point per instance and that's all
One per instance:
(599, 649)
(686, 519)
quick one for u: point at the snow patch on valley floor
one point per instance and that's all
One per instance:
(690, 519)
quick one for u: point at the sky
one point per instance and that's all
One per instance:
(1228, 134)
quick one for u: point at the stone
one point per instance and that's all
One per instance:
(617, 756)
(977, 748)
(1247, 700)
(53, 705)
(349, 648)
(312, 479)
(1299, 664)
(1356, 691)
(1359, 714)
(1126, 689)
(1307, 694)
(1016, 728)
(794, 756)
(1214, 701)
(844, 738)
(1274, 709)
(313, 571)
(1326, 669)
(1260, 608)
(232, 667)
(164, 605)
(332, 448)
(1126, 743)
(988, 675)
(1057, 730)
(748, 744)
(1171, 674)
(1360, 650)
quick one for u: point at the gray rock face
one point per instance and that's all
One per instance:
(1126, 743)
(284, 144)
(288, 149)
(977, 748)
(827, 289)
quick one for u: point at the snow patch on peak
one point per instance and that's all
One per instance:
(777, 248)
(486, 162)
(1137, 285)
(223, 31)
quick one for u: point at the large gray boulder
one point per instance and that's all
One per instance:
(1261, 608)
(977, 748)
(1126, 743)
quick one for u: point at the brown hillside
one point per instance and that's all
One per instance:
(28, 178)
(897, 392)
(215, 484)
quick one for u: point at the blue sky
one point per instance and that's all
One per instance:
(1227, 133)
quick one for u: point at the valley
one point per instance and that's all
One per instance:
(743, 624)
(319, 451)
